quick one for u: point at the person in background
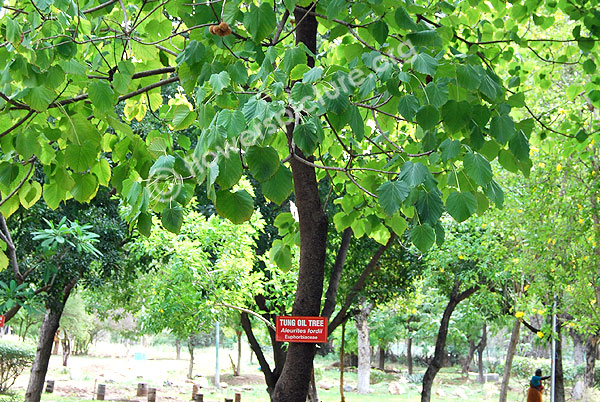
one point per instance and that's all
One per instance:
(536, 387)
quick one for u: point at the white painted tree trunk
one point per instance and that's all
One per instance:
(364, 348)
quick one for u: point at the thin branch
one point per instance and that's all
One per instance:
(99, 7)
(280, 27)
(12, 193)
(17, 124)
(245, 310)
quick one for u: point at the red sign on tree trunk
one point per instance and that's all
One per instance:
(301, 329)
(1, 321)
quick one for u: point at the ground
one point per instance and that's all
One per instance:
(116, 367)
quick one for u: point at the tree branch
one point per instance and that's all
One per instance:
(336, 274)
(360, 283)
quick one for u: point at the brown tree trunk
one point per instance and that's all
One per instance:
(560, 384)
(467, 362)
(292, 385)
(361, 320)
(39, 369)
(579, 348)
(66, 347)
(191, 365)
(480, 349)
(510, 353)
(313, 395)
(238, 333)
(409, 359)
(56, 342)
(381, 362)
(178, 349)
(591, 344)
(440, 343)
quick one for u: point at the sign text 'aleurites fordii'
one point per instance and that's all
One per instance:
(302, 329)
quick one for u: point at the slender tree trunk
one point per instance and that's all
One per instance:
(313, 395)
(56, 342)
(42, 357)
(510, 353)
(342, 397)
(238, 333)
(440, 343)
(381, 362)
(579, 348)
(191, 366)
(178, 349)
(293, 382)
(591, 344)
(409, 359)
(480, 349)
(467, 362)
(66, 346)
(560, 384)
(364, 350)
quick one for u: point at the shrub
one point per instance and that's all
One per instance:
(13, 360)
(416, 378)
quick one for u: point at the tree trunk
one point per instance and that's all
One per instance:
(293, 382)
(510, 353)
(191, 366)
(361, 320)
(42, 357)
(381, 362)
(409, 359)
(579, 348)
(238, 333)
(467, 362)
(440, 343)
(66, 346)
(178, 349)
(313, 395)
(56, 342)
(342, 397)
(591, 344)
(480, 349)
(560, 384)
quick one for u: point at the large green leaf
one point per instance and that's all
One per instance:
(391, 195)
(456, 115)
(423, 237)
(478, 168)
(281, 255)
(430, 206)
(230, 170)
(172, 218)
(428, 117)
(81, 157)
(279, 187)
(461, 205)
(102, 96)
(260, 21)
(502, 128)
(219, 81)
(237, 207)
(424, 63)
(408, 106)
(86, 186)
(305, 137)
(414, 173)
(39, 98)
(263, 162)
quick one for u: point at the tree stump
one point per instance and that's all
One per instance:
(194, 391)
(199, 398)
(142, 389)
(50, 386)
(238, 397)
(101, 392)
(151, 394)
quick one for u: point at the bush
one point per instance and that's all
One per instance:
(13, 360)
(524, 367)
(416, 378)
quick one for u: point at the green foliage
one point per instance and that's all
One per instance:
(14, 358)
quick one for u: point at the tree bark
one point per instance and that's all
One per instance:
(560, 384)
(313, 395)
(342, 397)
(66, 346)
(39, 369)
(292, 385)
(190, 343)
(467, 362)
(361, 320)
(591, 344)
(409, 359)
(440, 343)
(510, 353)
(480, 349)
(579, 348)
(381, 363)
(178, 348)
(238, 333)
(56, 342)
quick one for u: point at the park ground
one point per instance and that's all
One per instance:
(115, 366)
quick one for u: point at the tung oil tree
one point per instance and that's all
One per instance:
(401, 105)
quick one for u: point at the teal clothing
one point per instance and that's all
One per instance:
(536, 381)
